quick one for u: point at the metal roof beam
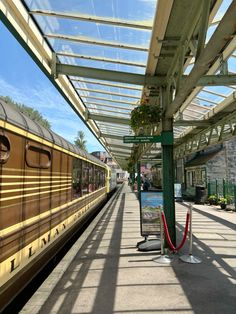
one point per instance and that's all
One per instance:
(197, 105)
(99, 59)
(125, 146)
(111, 119)
(110, 100)
(114, 133)
(216, 80)
(92, 41)
(99, 91)
(94, 19)
(111, 111)
(114, 130)
(120, 152)
(139, 79)
(107, 84)
(195, 111)
(111, 136)
(192, 122)
(112, 126)
(106, 75)
(191, 116)
(221, 44)
(121, 156)
(203, 26)
(102, 105)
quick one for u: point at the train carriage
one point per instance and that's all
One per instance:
(48, 188)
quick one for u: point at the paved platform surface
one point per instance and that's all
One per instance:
(107, 274)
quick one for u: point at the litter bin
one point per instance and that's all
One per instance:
(200, 196)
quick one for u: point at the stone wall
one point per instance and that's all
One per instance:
(216, 167)
(230, 153)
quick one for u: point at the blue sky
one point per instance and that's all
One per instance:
(23, 81)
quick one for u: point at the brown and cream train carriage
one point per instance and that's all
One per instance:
(48, 188)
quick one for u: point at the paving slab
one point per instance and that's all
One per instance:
(105, 273)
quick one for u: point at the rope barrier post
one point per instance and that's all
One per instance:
(189, 258)
(163, 259)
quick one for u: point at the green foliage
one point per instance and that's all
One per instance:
(30, 112)
(223, 200)
(80, 141)
(145, 115)
(213, 199)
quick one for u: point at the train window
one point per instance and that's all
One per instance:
(96, 177)
(77, 178)
(85, 177)
(91, 178)
(4, 149)
(37, 157)
(101, 177)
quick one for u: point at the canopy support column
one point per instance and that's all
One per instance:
(168, 173)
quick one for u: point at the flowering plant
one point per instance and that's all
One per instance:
(144, 115)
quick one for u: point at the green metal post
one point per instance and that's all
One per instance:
(216, 188)
(133, 176)
(224, 188)
(168, 181)
(138, 177)
(234, 197)
(209, 188)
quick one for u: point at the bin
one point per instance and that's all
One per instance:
(200, 195)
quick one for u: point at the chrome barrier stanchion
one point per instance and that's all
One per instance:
(163, 259)
(190, 258)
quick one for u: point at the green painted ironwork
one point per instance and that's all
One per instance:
(224, 189)
(168, 186)
(166, 138)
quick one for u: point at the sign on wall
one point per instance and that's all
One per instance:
(151, 203)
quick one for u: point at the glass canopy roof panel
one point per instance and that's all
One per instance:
(106, 83)
(221, 90)
(203, 102)
(94, 31)
(114, 127)
(232, 63)
(98, 103)
(107, 88)
(106, 98)
(102, 65)
(109, 112)
(64, 46)
(122, 9)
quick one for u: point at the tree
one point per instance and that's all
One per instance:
(80, 141)
(30, 112)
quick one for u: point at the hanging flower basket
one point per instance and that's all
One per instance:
(145, 115)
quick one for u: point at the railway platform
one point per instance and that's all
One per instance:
(105, 273)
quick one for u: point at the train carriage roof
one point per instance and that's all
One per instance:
(17, 118)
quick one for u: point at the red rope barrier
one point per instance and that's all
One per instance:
(175, 249)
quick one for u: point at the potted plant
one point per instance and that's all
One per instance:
(213, 199)
(145, 115)
(223, 202)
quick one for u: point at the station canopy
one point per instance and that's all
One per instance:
(108, 56)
